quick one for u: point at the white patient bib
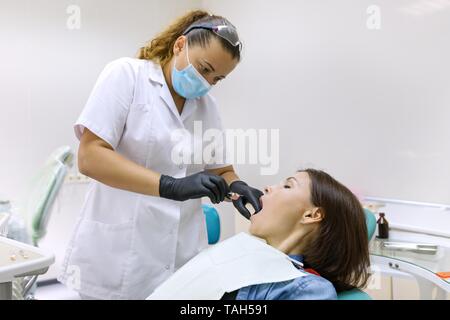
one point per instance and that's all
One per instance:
(237, 262)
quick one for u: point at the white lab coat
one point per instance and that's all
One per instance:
(125, 244)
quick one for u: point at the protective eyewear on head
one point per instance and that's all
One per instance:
(224, 31)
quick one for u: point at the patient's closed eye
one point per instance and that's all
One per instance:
(287, 183)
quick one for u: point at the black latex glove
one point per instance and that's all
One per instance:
(201, 184)
(247, 195)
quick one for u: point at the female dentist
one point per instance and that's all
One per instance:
(142, 217)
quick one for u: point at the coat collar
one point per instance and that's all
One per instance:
(155, 73)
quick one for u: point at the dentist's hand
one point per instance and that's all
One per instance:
(201, 184)
(247, 195)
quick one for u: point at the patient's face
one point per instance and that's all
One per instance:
(283, 205)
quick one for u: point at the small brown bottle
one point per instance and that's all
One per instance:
(383, 227)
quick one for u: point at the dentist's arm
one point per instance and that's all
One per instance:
(98, 160)
(227, 173)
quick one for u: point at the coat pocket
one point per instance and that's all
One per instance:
(101, 253)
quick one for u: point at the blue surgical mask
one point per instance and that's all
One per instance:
(189, 83)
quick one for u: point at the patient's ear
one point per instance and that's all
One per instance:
(312, 216)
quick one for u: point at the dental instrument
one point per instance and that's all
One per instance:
(233, 195)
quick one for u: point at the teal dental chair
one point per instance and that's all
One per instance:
(212, 223)
(213, 228)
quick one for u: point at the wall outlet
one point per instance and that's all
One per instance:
(77, 178)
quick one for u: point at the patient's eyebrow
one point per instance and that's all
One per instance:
(292, 178)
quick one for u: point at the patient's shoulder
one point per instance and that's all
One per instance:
(308, 287)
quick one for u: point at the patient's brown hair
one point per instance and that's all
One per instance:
(339, 252)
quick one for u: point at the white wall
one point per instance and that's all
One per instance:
(47, 70)
(371, 107)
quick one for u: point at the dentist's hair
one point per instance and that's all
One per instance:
(160, 49)
(339, 250)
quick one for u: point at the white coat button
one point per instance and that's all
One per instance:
(167, 267)
(180, 166)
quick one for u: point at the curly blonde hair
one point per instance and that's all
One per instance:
(160, 49)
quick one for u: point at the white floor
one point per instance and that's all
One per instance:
(56, 291)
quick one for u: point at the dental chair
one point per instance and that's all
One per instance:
(212, 223)
(44, 190)
(213, 228)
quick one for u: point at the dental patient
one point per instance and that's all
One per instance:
(319, 222)
(316, 244)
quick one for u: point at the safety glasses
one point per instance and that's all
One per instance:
(224, 31)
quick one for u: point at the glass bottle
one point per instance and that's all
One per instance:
(383, 227)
